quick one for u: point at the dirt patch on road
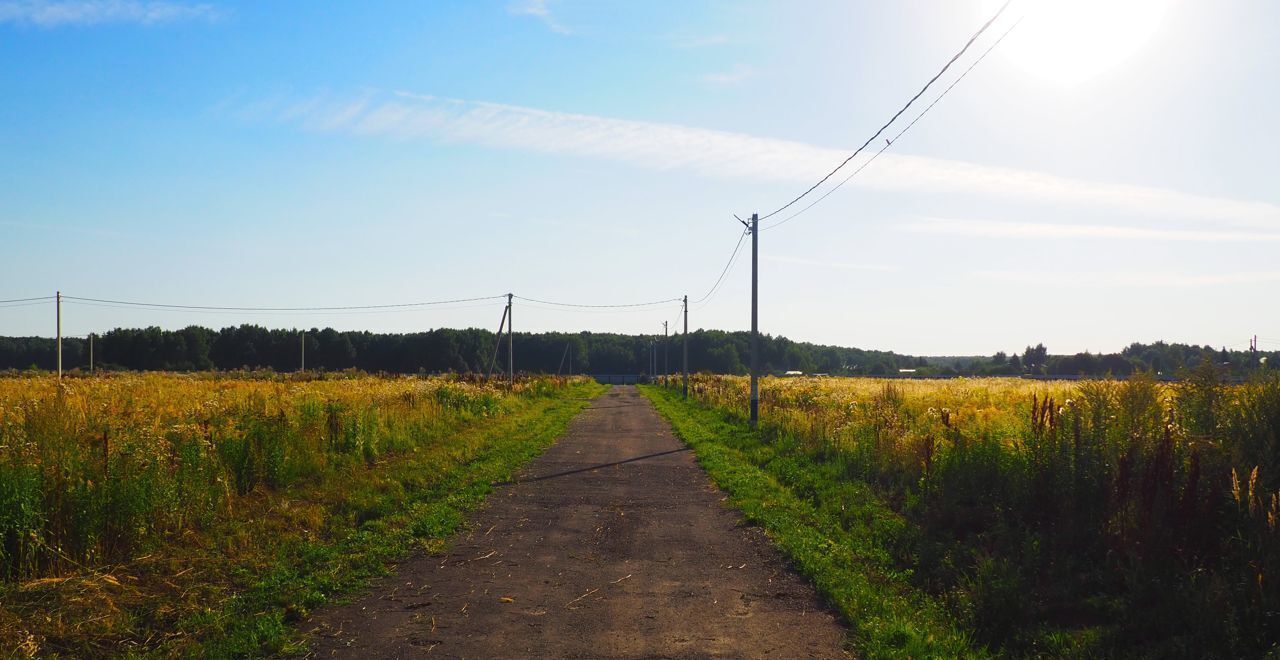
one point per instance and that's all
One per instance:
(612, 544)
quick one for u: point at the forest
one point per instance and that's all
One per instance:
(196, 348)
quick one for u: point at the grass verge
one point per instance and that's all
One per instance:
(836, 532)
(241, 590)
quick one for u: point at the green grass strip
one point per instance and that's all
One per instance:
(835, 531)
(421, 513)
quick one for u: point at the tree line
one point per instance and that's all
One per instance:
(196, 348)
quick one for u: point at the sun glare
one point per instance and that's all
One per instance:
(1072, 41)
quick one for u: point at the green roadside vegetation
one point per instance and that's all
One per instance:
(836, 531)
(246, 586)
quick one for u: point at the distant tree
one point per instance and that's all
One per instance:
(724, 360)
(1034, 358)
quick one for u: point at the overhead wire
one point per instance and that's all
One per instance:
(894, 140)
(20, 300)
(281, 309)
(564, 304)
(724, 271)
(226, 312)
(26, 304)
(895, 116)
(589, 310)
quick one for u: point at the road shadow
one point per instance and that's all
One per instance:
(591, 467)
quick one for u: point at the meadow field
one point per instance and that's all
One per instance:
(1047, 518)
(203, 513)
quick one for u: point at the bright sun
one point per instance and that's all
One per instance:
(1071, 41)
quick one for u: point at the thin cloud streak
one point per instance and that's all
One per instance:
(1129, 279)
(723, 154)
(46, 14)
(732, 77)
(539, 10)
(1032, 230)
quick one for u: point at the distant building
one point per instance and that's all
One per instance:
(792, 374)
(906, 372)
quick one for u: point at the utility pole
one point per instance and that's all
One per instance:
(302, 366)
(59, 305)
(665, 351)
(686, 347)
(90, 353)
(755, 328)
(511, 346)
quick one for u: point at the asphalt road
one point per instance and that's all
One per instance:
(612, 544)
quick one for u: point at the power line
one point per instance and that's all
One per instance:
(224, 312)
(894, 140)
(564, 304)
(592, 310)
(725, 271)
(882, 129)
(280, 309)
(26, 304)
(22, 300)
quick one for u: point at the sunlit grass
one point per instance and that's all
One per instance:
(136, 510)
(1129, 517)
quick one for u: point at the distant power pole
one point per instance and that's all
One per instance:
(686, 347)
(59, 305)
(755, 328)
(90, 353)
(665, 351)
(511, 346)
(302, 365)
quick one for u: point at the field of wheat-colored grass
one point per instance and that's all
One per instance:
(1139, 513)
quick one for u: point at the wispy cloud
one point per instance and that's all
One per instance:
(56, 13)
(539, 10)
(1130, 279)
(821, 263)
(732, 77)
(724, 154)
(1033, 230)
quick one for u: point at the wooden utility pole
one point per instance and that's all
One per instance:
(755, 328)
(686, 347)
(511, 346)
(59, 305)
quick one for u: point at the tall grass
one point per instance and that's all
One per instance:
(95, 470)
(1105, 517)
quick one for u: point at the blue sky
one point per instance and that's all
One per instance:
(1098, 179)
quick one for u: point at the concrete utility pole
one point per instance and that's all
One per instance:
(686, 347)
(755, 329)
(511, 346)
(59, 305)
(665, 350)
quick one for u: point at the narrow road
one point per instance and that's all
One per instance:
(612, 544)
